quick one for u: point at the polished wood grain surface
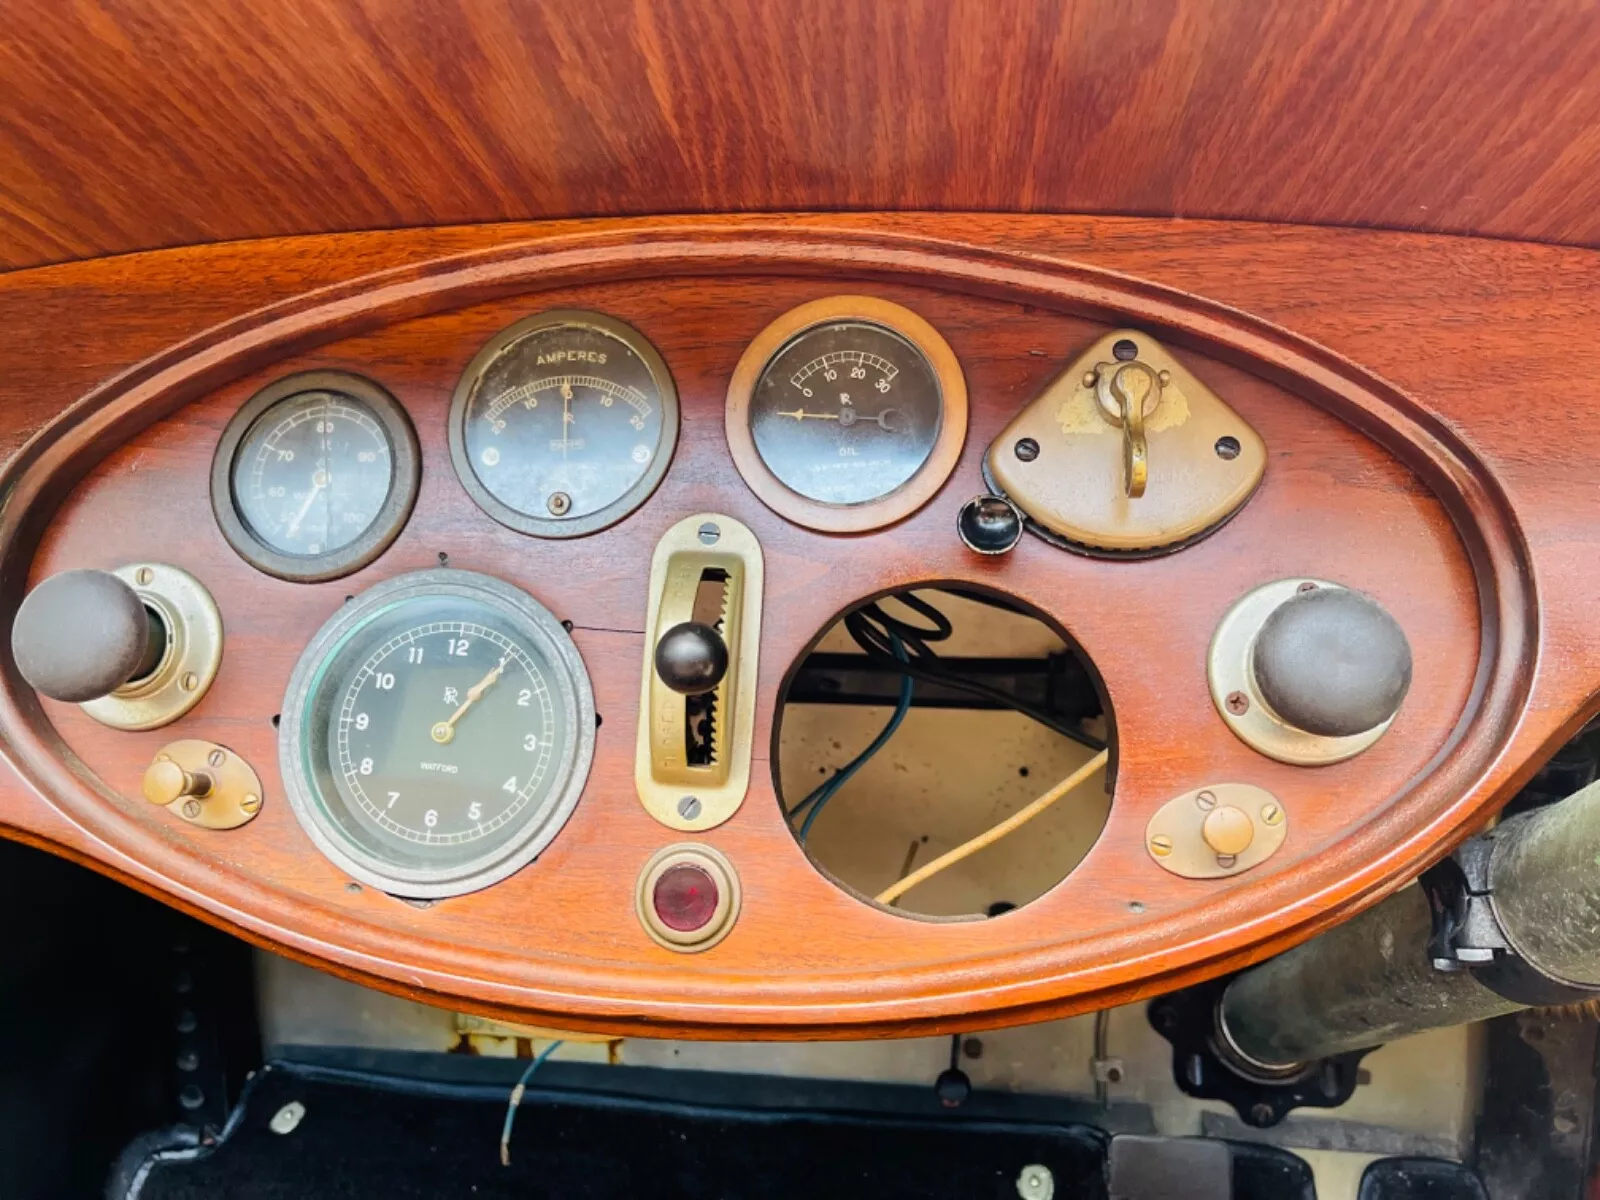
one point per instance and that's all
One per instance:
(130, 124)
(1442, 496)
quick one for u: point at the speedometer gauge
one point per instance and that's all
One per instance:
(315, 475)
(846, 414)
(437, 733)
(564, 423)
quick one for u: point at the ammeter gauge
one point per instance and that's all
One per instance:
(563, 423)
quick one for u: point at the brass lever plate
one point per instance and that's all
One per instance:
(1062, 460)
(674, 788)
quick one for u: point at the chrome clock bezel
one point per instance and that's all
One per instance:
(570, 682)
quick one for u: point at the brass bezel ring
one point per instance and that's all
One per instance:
(729, 897)
(191, 660)
(910, 495)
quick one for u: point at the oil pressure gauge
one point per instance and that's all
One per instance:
(564, 423)
(315, 475)
(846, 414)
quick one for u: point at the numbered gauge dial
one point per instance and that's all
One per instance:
(315, 475)
(564, 423)
(847, 413)
(437, 733)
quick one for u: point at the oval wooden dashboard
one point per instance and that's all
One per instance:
(1390, 470)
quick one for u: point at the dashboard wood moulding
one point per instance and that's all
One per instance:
(1395, 467)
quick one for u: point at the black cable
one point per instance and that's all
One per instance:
(871, 628)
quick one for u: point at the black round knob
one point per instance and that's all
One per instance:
(1332, 662)
(82, 634)
(989, 524)
(952, 1087)
(691, 658)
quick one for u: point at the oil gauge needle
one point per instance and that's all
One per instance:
(848, 416)
(445, 731)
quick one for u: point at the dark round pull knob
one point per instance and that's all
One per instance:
(691, 658)
(1332, 662)
(989, 524)
(83, 634)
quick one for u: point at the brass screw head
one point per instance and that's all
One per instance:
(559, 504)
(145, 576)
(191, 809)
(190, 681)
(1206, 800)
(250, 802)
(216, 758)
(1307, 586)
(1272, 814)
(1226, 860)
(1238, 703)
(1161, 845)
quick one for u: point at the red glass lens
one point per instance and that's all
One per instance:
(685, 897)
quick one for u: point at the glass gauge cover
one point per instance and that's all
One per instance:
(437, 733)
(846, 412)
(564, 423)
(315, 475)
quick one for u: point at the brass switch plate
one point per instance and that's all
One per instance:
(1087, 478)
(1216, 831)
(674, 788)
(205, 784)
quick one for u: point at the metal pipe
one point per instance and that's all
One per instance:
(1370, 980)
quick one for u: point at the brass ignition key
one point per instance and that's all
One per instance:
(1128, 393)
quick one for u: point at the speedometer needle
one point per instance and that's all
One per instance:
(445, 731)
(318, 482)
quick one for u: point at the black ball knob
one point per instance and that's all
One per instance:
(952, 1087)
(989, 524)
(1332, 662)
(82, 634)
(691, 658)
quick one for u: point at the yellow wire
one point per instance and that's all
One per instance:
(1021, 817)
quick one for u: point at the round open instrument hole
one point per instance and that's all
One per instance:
(919, 721)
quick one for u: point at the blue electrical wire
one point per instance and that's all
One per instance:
(516, 1101)
(819, 798)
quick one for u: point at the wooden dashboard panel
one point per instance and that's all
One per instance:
(1397, 475)
(320, 115)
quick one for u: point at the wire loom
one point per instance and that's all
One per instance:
(888, 640)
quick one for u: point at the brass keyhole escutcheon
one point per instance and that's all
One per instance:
(1126, 452)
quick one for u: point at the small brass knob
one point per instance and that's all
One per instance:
(1228, 830)
(165, 782)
